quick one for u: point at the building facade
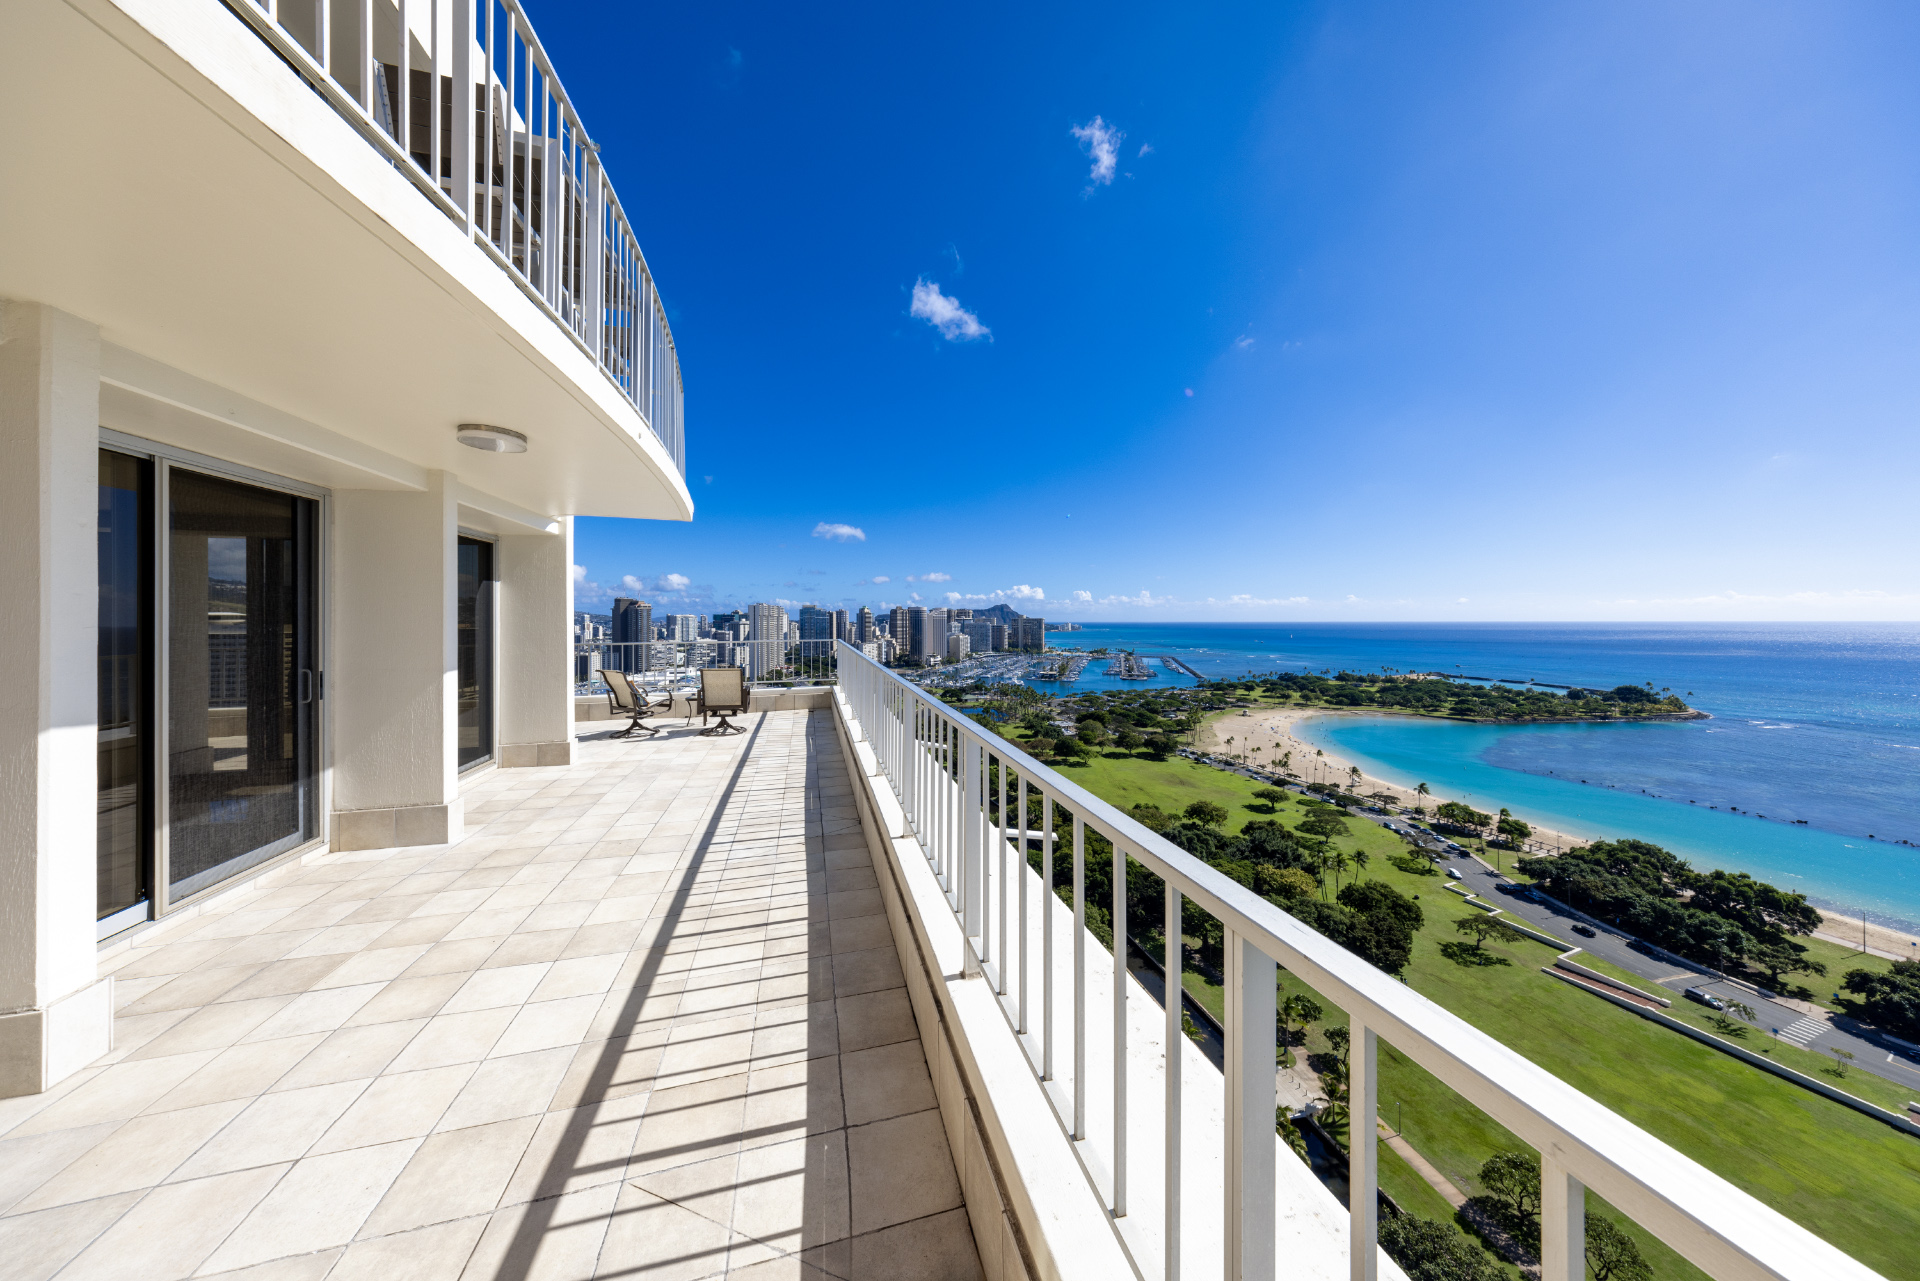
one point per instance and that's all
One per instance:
(1027, 634)
(266, 604)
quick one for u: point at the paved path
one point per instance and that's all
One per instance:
(1423, 1167)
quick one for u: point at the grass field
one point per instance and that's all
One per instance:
(1852, 1180)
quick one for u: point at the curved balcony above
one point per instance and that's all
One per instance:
(224, 190)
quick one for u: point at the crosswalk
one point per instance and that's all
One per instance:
(1803, 1031)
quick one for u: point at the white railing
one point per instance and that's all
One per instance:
(664, 664)
(523, 178)
(944, 769)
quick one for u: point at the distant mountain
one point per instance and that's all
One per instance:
(1002, 613)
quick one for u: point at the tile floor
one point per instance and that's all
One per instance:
(645, 1021)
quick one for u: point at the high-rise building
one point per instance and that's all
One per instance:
(840, 625)
(916, 646)
(960, 615)
(929, 634)
(632, 621)
(998, 638)
(722, 621)
(957, 647)
(816, 624)
(979, 634)
(900, 627)
(766, 638)
(683, 627)
(863, 628)
(1028, 634)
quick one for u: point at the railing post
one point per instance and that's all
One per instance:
(1119, 1031)
(366, 59)
(461, 127)
(594, 258)
(1174, 988)
(1079, 978)
(1363, 1153)
(1563, 1223)
(972, 890)
(1251, 1100)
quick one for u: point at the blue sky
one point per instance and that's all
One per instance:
(1307, 311)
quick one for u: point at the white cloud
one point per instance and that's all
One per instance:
(1144, 598)
(935, 577)
(955, 323)
(1146, 149)
(840, 533)
(1243, 342)
(1083, 596)
(881, 578)
(1101, 141)
(579, 573)
(1020, 592)
(674, 583)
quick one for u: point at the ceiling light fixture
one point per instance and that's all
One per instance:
(495, 440)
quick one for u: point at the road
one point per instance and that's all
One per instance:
(1815, 1032)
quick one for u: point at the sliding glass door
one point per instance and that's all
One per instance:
(476, 651)
(241, 678)
(124, 847)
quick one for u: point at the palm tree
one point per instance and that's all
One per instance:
(1360, 860)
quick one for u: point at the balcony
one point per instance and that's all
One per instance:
(336, 303)
(784, 1004)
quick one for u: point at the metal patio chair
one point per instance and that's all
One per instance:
(624, 698)
(723, 693)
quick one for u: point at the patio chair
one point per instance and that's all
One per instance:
(723, 693)
(624, 698)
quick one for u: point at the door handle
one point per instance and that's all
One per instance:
(310, 685)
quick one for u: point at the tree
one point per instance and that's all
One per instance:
(1464, 815)
(1206, 813)
(1429, 1250)
(1486, 927)
(1161, 746)
(1323, 825)
(1296, 1007)
(1128, 739)
(1842, 1060)
(1273, 796)
(1892, 1000)
(1513, 1179)
(1092, 732)
(1514, 829)
(1378, 897)
(1424, 791)
(1612, 1254)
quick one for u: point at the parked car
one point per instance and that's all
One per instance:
(1454, 872)
(1585, 931)
(1705, 998)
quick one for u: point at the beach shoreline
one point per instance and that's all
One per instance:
(1272, 731)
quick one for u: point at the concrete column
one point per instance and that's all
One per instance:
(56, 1014)
(535, 694)
(392, 677)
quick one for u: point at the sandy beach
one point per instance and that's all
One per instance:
(1270, 731)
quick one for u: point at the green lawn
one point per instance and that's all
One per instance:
(1849, 1178)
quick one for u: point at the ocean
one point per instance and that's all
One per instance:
(1812, 722)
